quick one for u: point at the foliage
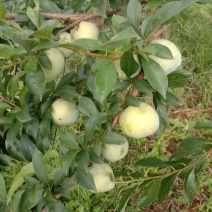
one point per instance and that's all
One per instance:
(25, 109)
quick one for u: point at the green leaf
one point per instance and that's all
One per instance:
(152, 162)
(13, 85)
(85, 179)
(26, 170)
(189, 187)
(45, 44)
(68, 158)
(7, 51)
(3, 191)
(76, 4)
(177, 79)
(15, 202)
(51, 153)
(67, 92)
(162, 113)
(105, 80)
(165, 187)
(88, 44)
(102, 9)
(171, 99)
(158, 50)
(3, 11)
(150, 193)
(31, 64)
(44, 60)
(5, 160)
(35, 81)
(40, 167)
(69, 139)
(34, 14)
(91, 124)
(134, 12)
(21, 149)
(131, 100)
(44, 33)
(193, 142)
(49, 6)
(87, 107)
(125, 198)
(82, 159)
(143, 86)
(203, 124)
(112, 138)
(23, 115)
(151, 23)
(128, 63)
(127, 33)
(4, 106)
(92, 86)
(155, 76)
(116, 22)
(31, 197)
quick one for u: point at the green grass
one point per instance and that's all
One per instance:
(193, 37)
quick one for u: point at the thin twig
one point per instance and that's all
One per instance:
(168, 174)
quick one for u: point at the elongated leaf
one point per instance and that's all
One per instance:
(162, 112)
(116, 21)
(82, 159)
(128, 63)
(20, 149)
(4, 106)
(155, 76)
(85, 179)
(40, 167)
(127, 33)
(150, 193)
(3, 192)
(68, 158)
(13, 85)
(88, 44)
(125, 198)
(49, 6)
(44, 60)
(189, 187)
(34, 14)
(91, 124)
(69, 139)
(203, 124)
(26, 170)
(177, 79)
(31, 197)
(5, 160)
(87, 107)
(24, 116)
(67, 92)
(167, 11)
(171, 99)
(158, 50)
(35, 81)
(112, 138)
(194, 142)
(44, 33)
(165, 187)
(105, 80)
(134, 12)
(131, 100)
(3, 11)
(152, 162)
(143, 86)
